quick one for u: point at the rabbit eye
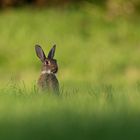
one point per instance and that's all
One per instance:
(46, 62)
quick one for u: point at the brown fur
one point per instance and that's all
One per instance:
(47, 80)
(49, 83)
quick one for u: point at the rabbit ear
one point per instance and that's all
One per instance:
(40, 53)
(51, 53)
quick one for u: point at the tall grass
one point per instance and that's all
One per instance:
(100, 113)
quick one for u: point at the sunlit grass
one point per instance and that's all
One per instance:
(89, 47)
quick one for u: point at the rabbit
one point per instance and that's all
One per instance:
(47, 80)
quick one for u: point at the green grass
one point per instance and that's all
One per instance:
(102, 113)
(99, 74)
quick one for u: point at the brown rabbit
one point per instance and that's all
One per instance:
(47, 80)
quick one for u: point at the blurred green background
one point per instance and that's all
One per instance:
(98, 46)
(97, 41)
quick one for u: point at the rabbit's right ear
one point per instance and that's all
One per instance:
(51, 52)
(40, 53)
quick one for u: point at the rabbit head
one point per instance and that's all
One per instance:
(49, 64)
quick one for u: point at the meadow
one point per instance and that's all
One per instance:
(99, 74)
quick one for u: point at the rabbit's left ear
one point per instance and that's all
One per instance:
(40, 53)
(51, 52)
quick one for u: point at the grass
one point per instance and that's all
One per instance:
(99, 74)
(104, 113)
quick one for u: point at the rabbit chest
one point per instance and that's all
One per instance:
(48, 82)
